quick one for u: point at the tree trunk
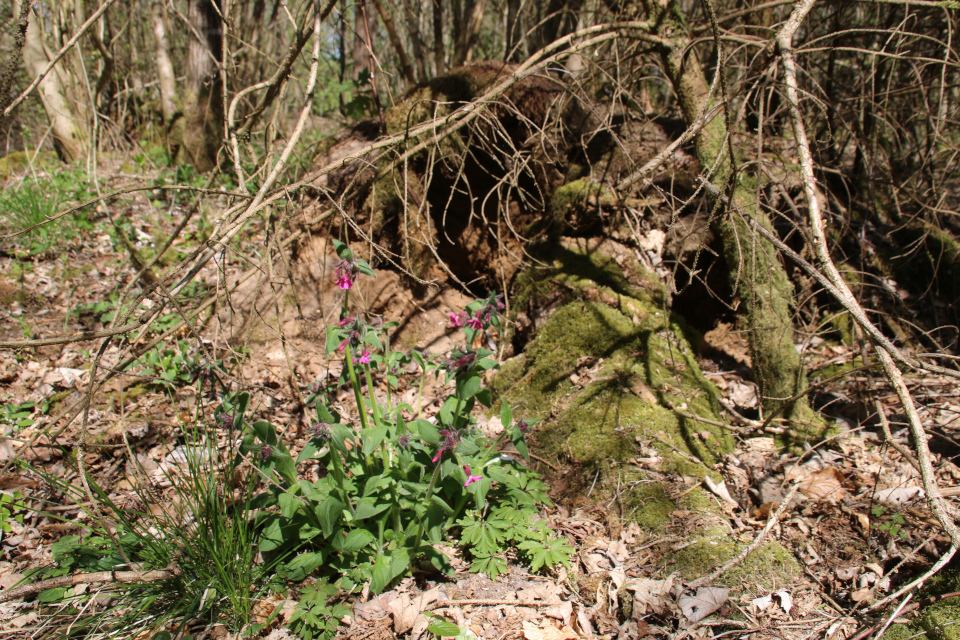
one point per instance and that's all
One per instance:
(165, 74)
(202, 131)
(397, 43)
(466, 37)
(438, 38)
(69, 137)
(514, 37)
(759, 277)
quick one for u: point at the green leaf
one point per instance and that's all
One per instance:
(368, 508)
(439, 502)
(493, 566)
(441, 626)
(329, 513)
(302, 565)
(354, 541)
(428, 432)
(288, 504)
(310, 449)
(324, 414)
(467, 386)
(381, 575)
(482, 536)
(516, 437)
(506, 415)
(485, 397)
(373, 438)
(265, 431)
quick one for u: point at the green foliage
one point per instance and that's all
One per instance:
(11, 509)
(443, 628)
(206, 538)
(21, 414)
(37, 200)
(181, 366)
(892, 524)
(393, 489)
(315, 618)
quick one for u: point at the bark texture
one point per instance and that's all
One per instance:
(202, 132)
(167, 78)
(761, 282)
(69, 137)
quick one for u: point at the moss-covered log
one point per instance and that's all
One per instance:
(615, 378)
(756, 273)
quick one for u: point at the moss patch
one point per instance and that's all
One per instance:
(611, 368)
(770, 565)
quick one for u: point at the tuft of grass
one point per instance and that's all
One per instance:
(205, 538)
(30, 203)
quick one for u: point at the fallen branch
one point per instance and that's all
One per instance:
(98, 577)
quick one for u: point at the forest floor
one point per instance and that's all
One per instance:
(858, 528)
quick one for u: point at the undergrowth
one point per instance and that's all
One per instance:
(361, 505)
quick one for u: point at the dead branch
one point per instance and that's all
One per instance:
(97, 577)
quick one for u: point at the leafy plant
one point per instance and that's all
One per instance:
(443, 628)
(181, 366)
(891, 524)
(390, 489)
(33, 202)
(314, 617)
(11, 509)
(20, 414)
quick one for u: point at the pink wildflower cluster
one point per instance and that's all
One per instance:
(346, 274)
(450, 440)
(483, 316)
(461, 319)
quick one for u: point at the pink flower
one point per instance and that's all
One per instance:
(457, 320)
(470, 478)
(346, 273)
(474, 323)
(365, 357)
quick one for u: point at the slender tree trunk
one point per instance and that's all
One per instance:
(405, 67)
(438, 38)
(764, 289)
(467, 35)
(514, 35)
(359, 47)
(165, 74)
(419, 48)
(202, 132)
(70, 138)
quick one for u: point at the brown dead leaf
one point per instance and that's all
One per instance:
(547, 632)
(650, 596)
(726, 339)
(548, 593)
(826, 484)
(561, 612)
(405, 609)
(706, 601)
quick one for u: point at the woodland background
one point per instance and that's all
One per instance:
(779, 179)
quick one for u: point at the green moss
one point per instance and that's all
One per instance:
(648, 505)
(575, 199)
(21, 160)
(639, 366)
(770, 565)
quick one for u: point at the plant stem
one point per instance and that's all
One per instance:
(433, 484)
